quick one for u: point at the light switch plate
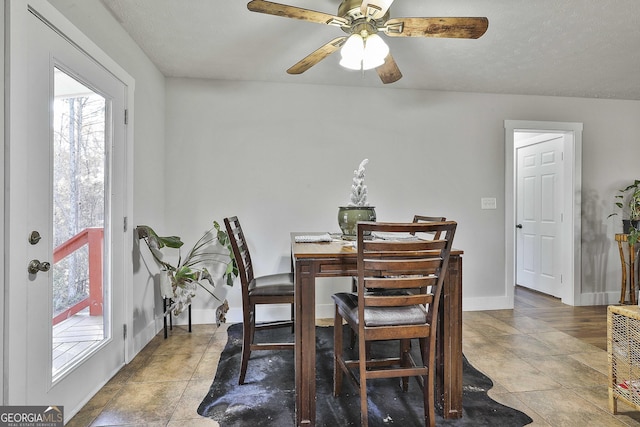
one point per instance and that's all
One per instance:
(488, 203)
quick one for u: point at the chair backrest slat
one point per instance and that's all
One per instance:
(405, 265)
(400, 282)
(398, 300)
(403, 246)
(424, 218)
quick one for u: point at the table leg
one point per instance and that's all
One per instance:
(449, 343)
(624, 274)
(305, 343)
(632, 277)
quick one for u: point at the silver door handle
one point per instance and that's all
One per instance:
(35, 266)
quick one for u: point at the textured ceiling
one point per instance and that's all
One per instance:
(577, 48)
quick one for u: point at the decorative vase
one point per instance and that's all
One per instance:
(626, 225)
(348, 217)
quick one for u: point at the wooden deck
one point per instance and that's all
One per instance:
(73, 336)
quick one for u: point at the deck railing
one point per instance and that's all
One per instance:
(93, 237)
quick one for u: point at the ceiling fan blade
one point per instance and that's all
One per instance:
(463, 28)
(375, 9)
(286, 11)
(389, 71)
(318, 55)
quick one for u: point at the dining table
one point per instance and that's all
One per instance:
(338, 258)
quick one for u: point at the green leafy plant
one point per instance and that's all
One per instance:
(634, 235)
(628, 201)
(180, 281)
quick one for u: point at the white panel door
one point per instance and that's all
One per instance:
(75, 156)
(539, 215)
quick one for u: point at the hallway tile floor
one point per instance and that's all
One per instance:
(550, 374)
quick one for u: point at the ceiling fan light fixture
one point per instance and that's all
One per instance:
(361, 20)
(352, 52)
(360, 53)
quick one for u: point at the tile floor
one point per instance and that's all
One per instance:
(558, 380)
(163, 385)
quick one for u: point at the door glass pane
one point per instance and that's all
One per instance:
(79, 206)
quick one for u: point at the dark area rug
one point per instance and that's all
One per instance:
(268, 397)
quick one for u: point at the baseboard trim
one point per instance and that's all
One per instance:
(487, 303)
(326, 311)
(600, 298)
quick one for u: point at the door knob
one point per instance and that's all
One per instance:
(35, 266)
(519, 226)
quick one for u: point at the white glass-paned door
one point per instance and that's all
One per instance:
(80, 123)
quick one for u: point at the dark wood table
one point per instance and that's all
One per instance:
(338, 259)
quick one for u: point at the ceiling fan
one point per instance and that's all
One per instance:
(362, 20)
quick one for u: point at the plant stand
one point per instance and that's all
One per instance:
(620, 238)
(167, 304)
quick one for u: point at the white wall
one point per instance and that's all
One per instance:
(281, 157)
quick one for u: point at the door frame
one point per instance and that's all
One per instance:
(3, 249)
(16, 119)
(571, 229)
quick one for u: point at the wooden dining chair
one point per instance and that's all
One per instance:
(270, 289)
(394, 311)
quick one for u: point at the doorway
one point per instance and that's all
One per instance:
(67, 293)
(567, 253)
(539, 211)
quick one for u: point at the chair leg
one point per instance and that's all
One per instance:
(354, 289)
(429, 411)
(405, 346)
(293, 323)
(247, 338)
(429, 391)
(362, 359)
(337, 353)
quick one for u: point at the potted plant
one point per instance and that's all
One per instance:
(358, 208)
(628, 201)
(179, 281)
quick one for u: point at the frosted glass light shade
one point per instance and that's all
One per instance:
(375, 52)
(363, 54)
(352, 52)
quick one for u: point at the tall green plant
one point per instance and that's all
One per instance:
(180, 281)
